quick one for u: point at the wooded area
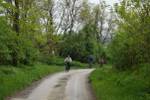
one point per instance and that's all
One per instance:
(33, 30)
(46, 31)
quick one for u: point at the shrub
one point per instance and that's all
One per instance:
(15, 49)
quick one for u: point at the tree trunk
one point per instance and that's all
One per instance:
(16, 17)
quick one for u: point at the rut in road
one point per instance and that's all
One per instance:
(71, 85)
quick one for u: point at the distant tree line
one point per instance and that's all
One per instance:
(36, 30)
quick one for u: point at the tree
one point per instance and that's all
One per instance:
(130, 46)
(69, 10)
(19, 18)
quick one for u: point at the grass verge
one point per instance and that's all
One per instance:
(110, 84)
(13, 79)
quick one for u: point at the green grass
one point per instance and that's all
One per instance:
(13, 79)
(110, 84)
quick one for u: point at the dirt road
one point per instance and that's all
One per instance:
(71, 85)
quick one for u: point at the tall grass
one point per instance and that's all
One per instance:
(13, 79)
(110, 84)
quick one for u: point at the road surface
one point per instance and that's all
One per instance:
(71, 85)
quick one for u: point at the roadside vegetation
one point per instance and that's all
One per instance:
(59, 61)
(13, 79)
(111, 84)
(30, 35)
(128, 75)
(46, 31)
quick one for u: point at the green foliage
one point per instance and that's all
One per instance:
(5, 36)
(25, 18)
(15, 49)
(23, 77)
(110, 84)
(54, 60)
(131, 44)
(74, 46)
(80, 45)
(27, 52)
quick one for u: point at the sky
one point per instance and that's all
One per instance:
(109, 2)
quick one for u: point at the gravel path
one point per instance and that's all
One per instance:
(71, 85)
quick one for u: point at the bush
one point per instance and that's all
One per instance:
(126, 52)
(28, 54)
(7, 39)
(15, 49)
(80, 45)
(131, 46)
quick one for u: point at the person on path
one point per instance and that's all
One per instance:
(101, 62)
(68, 61)
(90, 60)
